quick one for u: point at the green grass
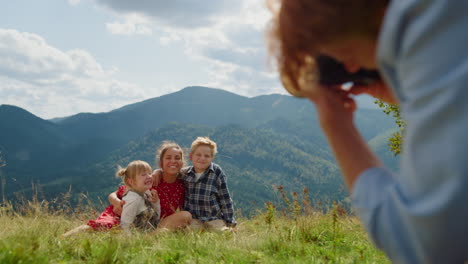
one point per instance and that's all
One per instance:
(31, 234)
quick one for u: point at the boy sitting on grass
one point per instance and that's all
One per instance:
(207, 197)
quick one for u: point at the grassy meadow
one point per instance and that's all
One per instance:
(31, 233)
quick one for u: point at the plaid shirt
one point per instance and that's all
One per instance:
(208, 198)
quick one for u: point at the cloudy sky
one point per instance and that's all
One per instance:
(62, 57)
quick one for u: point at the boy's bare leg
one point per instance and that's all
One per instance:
(175, 221)
(76, 230)
(196, 225)
(216, 226)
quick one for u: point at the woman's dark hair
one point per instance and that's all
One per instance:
(164, 147)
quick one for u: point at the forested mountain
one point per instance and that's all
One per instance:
(254, 160)
(263, 141)
(196, 105)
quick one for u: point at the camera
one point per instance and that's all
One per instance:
(329, 71)
(333, 72)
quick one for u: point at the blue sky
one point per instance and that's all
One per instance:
(62, 57)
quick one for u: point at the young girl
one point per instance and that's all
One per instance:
(141, 208)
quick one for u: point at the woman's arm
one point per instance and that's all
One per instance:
(116, 202)
(157, 176)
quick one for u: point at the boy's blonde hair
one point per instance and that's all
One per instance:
(204, 141)
(164, 147)
(132, 170)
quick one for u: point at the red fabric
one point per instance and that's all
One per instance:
(171, 196)
(108, 218)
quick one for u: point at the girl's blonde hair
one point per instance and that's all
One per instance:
(132, 170)
(204, 141)
(164, 147)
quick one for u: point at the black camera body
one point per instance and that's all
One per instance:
(333, 72)
(329, 71)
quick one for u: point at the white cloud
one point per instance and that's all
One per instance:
(176, 13)
(74, 2)
(43, 79)
(242, 80)
(254, 59)
(226, 36)
(234, 50)
(134, 24)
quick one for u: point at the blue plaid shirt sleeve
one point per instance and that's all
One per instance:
(225, 200)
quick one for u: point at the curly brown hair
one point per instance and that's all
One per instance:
(299, 27)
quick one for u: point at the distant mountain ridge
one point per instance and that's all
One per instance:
(200, 105)
(73, 150)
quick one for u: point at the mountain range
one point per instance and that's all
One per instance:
(264, 141)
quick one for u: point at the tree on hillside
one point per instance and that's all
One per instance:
(2, 161)
(396, 140)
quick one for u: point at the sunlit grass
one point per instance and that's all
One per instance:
(31, 233)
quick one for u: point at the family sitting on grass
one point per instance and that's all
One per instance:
(172, 197)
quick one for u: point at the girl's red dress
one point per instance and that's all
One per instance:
(108, 218)
(171, 197)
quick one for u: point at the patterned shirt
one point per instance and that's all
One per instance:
(208, 197)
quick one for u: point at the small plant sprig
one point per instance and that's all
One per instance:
(296, 206)
(396, 140)
(270, 214)
(285, 199)
(3, 181)
(308, 209)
